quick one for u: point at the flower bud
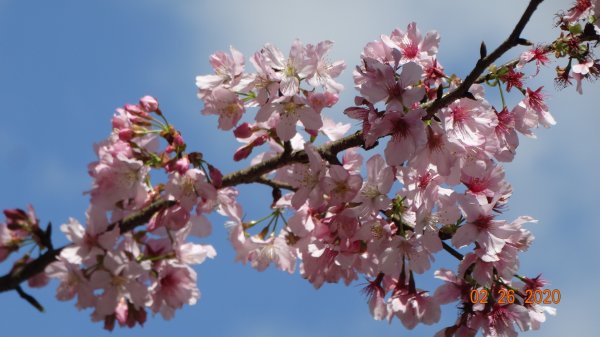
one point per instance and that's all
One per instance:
(126, 134)
(243, 131)
(215, 176)
(178, 140)
(182, 165)
(259, 141)
(242, 153)
(135, 109)
(149, 103)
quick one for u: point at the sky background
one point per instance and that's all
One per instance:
(66, 65)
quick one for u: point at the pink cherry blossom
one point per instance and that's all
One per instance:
(501, 320)
(226, 104)
(174, 287)
(307, 178)
(228, 72)
(373, 194)
(117, 178)
(323, 72)
(72, 283)
(120, 278)
(288, 71)
(412, 46)
(468, 122)
(381, 83)
(507, 136)
(581, 71)
(581, 8)
(407, 131)
(413, 308)
(437, 151)
(290, 109)
(334, 131)
(189, 188)
(535, 100)
(89, 241)
(481, 226)
(455, 288)
(504, 265)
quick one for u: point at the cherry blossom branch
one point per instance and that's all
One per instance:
(13, 279)
(254, 173)
(329, 151)
(513, 40)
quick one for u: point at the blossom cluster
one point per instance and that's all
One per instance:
(284, 90)
(580, 27)
(22, 229)
(438, 185)
(121, 271)
(451, 186)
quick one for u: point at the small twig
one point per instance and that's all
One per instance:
(452, 251)
(514, 39)
(250, 174)
(143, 216)
(275, 183)
(29, 299)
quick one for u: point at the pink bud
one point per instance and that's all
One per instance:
(178, 140)
(135, 109)
(215, 175)
(149, 103)
(15, 214)
(38, 281)
(259, 141)
(182, 165)
(242, 153)
(312, 133)
(243, 131)
(118, 122)
(169, 149)
(126, 134)
(121, 312)
(331, 99)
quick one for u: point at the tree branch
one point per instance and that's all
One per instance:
(513, 40)
(275, 183)
(12, 280)
(251, 174)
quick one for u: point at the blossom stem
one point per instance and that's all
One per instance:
(501, 94)
(452, 251)
(274, 183)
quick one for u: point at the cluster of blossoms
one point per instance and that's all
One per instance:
(276, 89)
(21, 229)
(451, 186)
(120, 270)
(580, 31)
(438, 185)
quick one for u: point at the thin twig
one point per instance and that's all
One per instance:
(514, 39)
(452, 251)
(275, 183)
(30, 299)
(12, 280)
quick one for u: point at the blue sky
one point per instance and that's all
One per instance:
(66, 65)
